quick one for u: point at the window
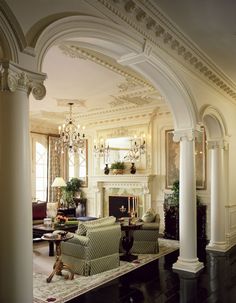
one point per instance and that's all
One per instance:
(41, 172)
(39, 175)
(77, 165)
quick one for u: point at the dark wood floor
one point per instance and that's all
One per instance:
(157, 282)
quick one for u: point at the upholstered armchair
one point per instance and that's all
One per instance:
(146, 238)
(94, 248)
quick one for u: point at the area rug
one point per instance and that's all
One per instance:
(61, 290)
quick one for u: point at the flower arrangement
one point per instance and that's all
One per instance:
(61, 219)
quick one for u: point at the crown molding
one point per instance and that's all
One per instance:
(146, 18)
(74, 51)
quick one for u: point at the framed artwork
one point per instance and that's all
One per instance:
(172, 160)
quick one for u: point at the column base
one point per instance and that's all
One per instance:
(189, 265)
(218, 246)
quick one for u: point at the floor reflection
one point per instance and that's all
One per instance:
(156, 282)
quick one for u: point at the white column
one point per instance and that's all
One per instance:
(218, 237)
(98, 200)
(187, 259)
(15, 185)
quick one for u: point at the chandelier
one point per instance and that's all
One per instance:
(70, 138)
(137, 149)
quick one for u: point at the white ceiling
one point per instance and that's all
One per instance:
(101, 88)
(98, 86)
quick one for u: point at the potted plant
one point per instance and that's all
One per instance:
(118, 167)
(73, 188)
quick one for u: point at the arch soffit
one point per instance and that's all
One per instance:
(214, 122)
(11, 34)
(115, 41)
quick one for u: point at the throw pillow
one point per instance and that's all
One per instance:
(149, 216)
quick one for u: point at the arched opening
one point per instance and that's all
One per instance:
(216, 131)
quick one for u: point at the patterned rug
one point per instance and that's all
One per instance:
(61, 290)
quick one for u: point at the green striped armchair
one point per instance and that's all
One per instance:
(146, 238)
(94, 248)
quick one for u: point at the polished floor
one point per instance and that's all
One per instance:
(158, 283)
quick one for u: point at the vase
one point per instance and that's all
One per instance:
(132, 168)
(106, 169)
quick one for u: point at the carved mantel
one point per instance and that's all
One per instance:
(104, 185)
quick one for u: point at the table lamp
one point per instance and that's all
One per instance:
(58, 183)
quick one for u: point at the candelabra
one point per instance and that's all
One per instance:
(101, 150)
(137, 149)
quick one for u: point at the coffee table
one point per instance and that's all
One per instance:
(40, 230)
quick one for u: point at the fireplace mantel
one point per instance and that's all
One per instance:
(139, 184)
(137, 178)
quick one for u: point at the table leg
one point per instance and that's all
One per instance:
(51, 248)
(59, 266)
(127, 243)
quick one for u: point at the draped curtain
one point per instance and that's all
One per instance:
(56, 168)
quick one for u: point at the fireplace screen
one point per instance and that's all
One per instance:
(118, 206)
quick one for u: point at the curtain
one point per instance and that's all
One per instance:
(57, 167)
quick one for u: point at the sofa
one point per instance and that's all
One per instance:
(94, 247)
(42, 210)
(39, 212)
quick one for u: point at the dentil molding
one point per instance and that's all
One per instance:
(145, 18)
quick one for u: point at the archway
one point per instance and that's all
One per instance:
(133, 50)
(216, 131)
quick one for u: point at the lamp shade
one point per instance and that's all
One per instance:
(58, 182)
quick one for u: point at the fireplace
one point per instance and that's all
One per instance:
(120, 188)
(118, 206)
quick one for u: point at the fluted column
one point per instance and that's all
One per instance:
(218, 191)
(15, 182)
(187, 259)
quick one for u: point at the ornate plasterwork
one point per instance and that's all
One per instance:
(13, 78)
(76, 102)
(144, 17)
(74, 51)
(138, 101)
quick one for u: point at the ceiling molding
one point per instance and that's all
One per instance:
(74, 51)
(145, 17)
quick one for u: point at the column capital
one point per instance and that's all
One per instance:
(220, 144)
(187, 134)
(14, 77)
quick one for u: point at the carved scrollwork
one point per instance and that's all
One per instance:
(13, 78)
(12, 82)
(38, 90)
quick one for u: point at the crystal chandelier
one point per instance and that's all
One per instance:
(137, 149)
(71, 139)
